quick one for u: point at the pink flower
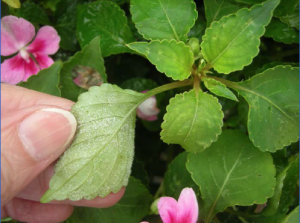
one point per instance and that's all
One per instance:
(16, 34)
(148, 109)
(183, 211)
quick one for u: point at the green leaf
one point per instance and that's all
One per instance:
(281, 32)
(138, 172)
(249, 2)
(292, 20)
(33, 13)
(286, 7)
(50, 4)
(13, 3)
(231, 43)
(175, 59)
(99, 159)
(232, 172)
(177, 177)
(218, 88)
(193, 120)
(216, 9)
(286, 181)
(133, 206)
(164, 19)
(198, 29)
(46, 80)
(293, 217)
(65, 24)
(90, 56)
(95, 19)
(273, 117)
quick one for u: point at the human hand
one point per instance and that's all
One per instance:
(36, 129)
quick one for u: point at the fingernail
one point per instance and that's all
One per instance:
(47, 132)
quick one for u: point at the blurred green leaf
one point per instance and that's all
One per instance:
(90, 56)
(293, 217)
(33, 13)
(163, 19)
(139, 84)
(95, 19)
(138, 172)
(65, 23)
(232, 172)
(134, 205)
(50, 4)
(292, 20)
(216, 9)
(177, 177)
(46, 80)
(281, 32)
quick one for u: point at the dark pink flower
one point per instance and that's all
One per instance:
(148, 109)
(16, 34)
(184, 211)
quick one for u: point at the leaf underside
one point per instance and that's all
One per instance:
(232, 172)
(175, 59)
(273, 96)
(99, 160)
(163, 19)
(231, 43)
(192, 120)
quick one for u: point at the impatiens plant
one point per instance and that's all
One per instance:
(215, 87)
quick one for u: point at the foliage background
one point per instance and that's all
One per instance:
(152, 156)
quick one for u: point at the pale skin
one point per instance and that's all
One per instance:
(25, 179)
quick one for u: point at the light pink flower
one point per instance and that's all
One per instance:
(148, 109)
(16, 34)
(184, 211)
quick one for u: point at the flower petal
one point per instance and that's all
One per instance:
(43, 60)
(148, 110)
(15, 34)
(167, 208)
(16, 69)
(187, 206)
(46, 41)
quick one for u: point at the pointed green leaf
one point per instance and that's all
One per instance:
(90, 57)
(46, 80)
(273, 117)
(218, 88)
(281, 32)
(286, 7)
(164, 19)
(133, 206)
(293, 217)
(175, 59)
(193, 120)
(216, 9)
(231, 43)
(177, 177)
(33, 13)
(95, 19)
(232, 172)
(99, 159)
(286, 181)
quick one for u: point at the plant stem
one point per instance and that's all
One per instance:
(168, 87)
(159, 191)
(226, 82)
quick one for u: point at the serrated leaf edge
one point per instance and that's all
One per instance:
(151, 39)
(169, 41)
(249, 119)
(234, 15)
(167, 110)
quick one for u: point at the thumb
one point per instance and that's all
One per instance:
(31, 140)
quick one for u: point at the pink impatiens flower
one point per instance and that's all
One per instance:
(148, 109)
(16, 34)
(184, 211)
